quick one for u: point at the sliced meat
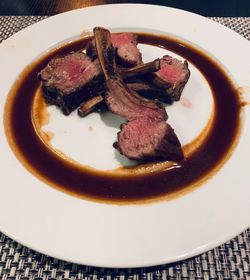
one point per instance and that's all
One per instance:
(69, 80)
(146, 132)
(125, 44)
(143, 138)
(172, 76)
(126, 49)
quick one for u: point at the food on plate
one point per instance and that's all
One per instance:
(76, 80)
(90, 105)
(69, 80)
(146, 138)
(149, 91)
(167, 83)
(146, 135)
(141, 87)
(125, 44)
(172, 76)
(24, 118)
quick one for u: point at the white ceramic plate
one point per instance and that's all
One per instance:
(100, 234)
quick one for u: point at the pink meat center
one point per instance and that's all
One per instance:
(141, 136)
(121, 39)
(71, 72)
(171, 71)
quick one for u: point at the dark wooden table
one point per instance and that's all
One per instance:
(236, 8)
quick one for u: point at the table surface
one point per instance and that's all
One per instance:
(229, 261)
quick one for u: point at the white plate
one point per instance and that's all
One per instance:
(100, 234)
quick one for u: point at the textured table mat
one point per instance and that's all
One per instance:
(229, 261)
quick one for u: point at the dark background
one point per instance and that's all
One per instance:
(237, 8)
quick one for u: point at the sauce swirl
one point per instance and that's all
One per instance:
(97, 185)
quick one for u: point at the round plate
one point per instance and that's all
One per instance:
(109, 235)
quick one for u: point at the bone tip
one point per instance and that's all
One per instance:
(100, 29)
(158, 63)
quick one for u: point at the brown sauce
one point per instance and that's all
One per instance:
(75, 179)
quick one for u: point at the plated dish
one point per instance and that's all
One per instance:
(199, 103)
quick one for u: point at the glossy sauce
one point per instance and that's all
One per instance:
(75, 179)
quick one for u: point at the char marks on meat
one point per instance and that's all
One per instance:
(125, 44)
(69, 80)
(146, 135)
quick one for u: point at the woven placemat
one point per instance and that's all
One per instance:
(229, 261)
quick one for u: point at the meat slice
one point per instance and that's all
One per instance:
(172, 76)
(146, 135)
(126, 49)
(69, 80)
(125, 44)
(144, 138)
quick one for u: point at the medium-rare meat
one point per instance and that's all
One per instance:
(125, 44)
(147, 135)
(144, 138)
(172, 76)
(127, 52)
(69, 80)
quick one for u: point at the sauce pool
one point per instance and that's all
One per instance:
(97, 185)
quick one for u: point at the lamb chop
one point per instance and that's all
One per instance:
(144, 89)
(72, 79)
(146, 135)
(126, 52)
(167, 83)
(172, 76)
